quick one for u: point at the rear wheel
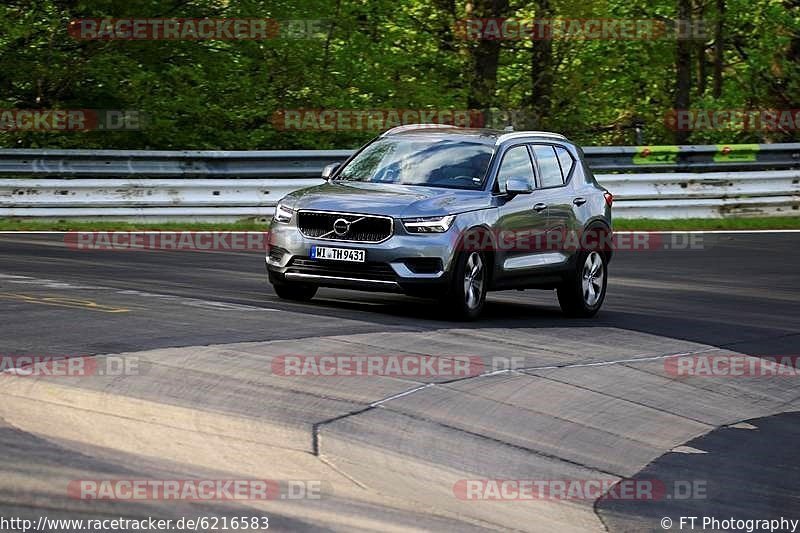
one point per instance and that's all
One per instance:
(467, 294)
(583, 293)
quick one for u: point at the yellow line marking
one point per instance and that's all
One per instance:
(63, 301)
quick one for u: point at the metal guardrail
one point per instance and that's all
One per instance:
(652, 181)
(167, 164)
(694, 158)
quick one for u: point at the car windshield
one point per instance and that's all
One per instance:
(449, 163)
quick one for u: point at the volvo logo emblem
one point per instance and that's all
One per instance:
(341, 226)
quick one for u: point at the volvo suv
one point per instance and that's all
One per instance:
(449, 213)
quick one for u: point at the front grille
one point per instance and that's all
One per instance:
(361, 228)
(371, 271)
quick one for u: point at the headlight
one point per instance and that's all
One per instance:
(428, 224)
(283, 214)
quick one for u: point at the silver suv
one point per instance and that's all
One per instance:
(449, 213)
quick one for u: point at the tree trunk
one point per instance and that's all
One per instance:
(484, 56)
(701, 68)
(793, 58)
(700, 50)
(542, 74)
(446, 14)
(719, 48)
(683, 68)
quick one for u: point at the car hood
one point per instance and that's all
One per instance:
(387, 199)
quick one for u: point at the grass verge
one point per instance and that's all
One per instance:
(13, 224)
(687, 224)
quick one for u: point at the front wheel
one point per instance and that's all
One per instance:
(582, 294)
(467, 294)
(294, 291)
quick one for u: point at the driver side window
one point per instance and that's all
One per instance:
(516, 164)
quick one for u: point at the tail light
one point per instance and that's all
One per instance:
(609, 198)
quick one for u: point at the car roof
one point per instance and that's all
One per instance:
(483, 135)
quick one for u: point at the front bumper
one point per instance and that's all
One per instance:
(393, 265)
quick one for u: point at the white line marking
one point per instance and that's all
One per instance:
(743, 425)
(181, 300)
(614, 362)
(686, 449)
(400, 395)
(554, 367)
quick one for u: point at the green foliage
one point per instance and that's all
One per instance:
(376, 54)
(689, 224)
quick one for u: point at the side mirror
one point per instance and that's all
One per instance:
(516, 186)
(328, 171)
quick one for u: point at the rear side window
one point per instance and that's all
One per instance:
(516, 164)
(566, 161)
(549, 168)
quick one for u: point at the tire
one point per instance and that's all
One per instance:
(294, 291)
(466, 296)
(582, 294)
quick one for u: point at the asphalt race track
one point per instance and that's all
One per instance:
(587, 400)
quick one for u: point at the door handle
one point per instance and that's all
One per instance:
(539, 207)
(579, 201)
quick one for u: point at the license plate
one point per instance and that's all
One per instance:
(338, 254)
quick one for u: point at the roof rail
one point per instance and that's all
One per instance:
(516, 134)
(407, 127)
